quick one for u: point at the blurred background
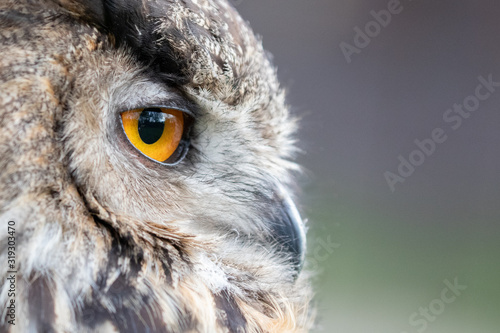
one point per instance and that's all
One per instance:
(420, 252)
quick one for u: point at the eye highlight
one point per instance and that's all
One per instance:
(156, 132)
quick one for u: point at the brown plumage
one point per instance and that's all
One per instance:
(107, 239)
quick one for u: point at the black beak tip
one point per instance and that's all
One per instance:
(289, 232)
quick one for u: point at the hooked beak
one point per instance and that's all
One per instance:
(289, 230)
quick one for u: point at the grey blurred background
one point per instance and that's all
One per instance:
(385, 259)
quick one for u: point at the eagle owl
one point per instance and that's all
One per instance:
(146, 157)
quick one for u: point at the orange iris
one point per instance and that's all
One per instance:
(155, 132)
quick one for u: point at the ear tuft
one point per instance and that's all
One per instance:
(89, 10)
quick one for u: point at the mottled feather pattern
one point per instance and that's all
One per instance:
(108, 241)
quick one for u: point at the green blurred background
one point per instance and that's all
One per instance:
(382, 256)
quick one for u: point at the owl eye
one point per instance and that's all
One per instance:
(156, 132)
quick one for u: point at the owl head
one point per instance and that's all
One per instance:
(147, 158)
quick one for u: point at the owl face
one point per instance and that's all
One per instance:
(147, 157)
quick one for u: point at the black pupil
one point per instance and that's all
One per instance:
(151, 125)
